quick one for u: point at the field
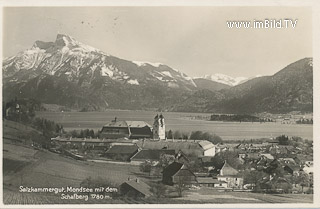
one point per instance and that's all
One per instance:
(209, 195)
(31, 168)
(180, 121)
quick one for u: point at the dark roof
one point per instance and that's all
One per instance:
(294, 167)
(206, 159)
(116, 124)
(151, 154)
(122, 149)
(208, 180)
(140, 186)
(172, 169)
(181, 155)
(127, 123)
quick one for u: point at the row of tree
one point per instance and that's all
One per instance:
(238, 118)
(83, 133)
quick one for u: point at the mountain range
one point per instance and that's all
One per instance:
(69, 73)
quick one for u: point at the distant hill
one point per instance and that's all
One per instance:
(291, 89)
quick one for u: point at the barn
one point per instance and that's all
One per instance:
(176, 172)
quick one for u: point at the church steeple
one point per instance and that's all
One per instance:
(159, 130)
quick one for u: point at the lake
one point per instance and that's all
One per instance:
(183, 122)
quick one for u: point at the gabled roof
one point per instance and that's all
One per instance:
(268, 156)
(172, 169)
(140, 186)
(180, 155)
(184, 172)
(116, 124)
(151, 154)
(122, 149)
(227, 170)
(127, 123)
(177, 169)
(206, 144)
(137, 124)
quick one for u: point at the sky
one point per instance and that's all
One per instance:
(194, 40)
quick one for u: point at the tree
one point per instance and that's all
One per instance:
(185, 135)
(158, 189)
(283, 140)
(195, 165)
(91, 133)
(165, 160)
(170, 134)
(181, 185)
(254, 177)
(146, 167)
(199, 135)
(303, 180)
(196, 135)
(215, 139)
(232, 159)
(177, 135)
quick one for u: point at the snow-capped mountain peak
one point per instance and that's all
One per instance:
(225, 79)
(66, 57)
(68, 41)
(144, 63)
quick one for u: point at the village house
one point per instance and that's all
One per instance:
(135, 188)
(221, 148)
(287, 161)
(230, 175)
(267, 156)
(308, 168)
(211, 182)
(293, 169)
(176, 172)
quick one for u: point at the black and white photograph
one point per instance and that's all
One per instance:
(150, 105)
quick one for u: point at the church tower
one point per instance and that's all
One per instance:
(159, 128)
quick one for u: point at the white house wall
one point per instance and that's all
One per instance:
(210, 152)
